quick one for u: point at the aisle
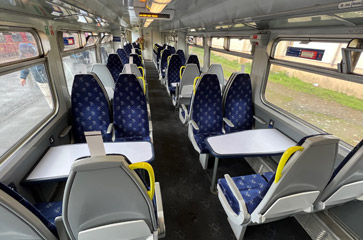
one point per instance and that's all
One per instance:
(191, 211)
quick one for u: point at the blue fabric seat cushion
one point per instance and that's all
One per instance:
(201, 137)
(133, 139)
(252, 188)
(50, 210)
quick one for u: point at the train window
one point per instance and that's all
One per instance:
(16, 46)
(199, 41)
(91, 39)
(240, 45)
(106, 46)
(197, 51)
(71, 40)
(218, 43)
(331, 104)
(230, 63)
(317, 53)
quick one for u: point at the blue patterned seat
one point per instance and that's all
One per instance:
(45, 212)
(164, 62)
(123, 56)
(114, 65)
(158, 55)
(237, 103)
(128, 48)
(173, 75)
(137, 60)
(130, 110)
(181, 54)
(90, 107)
(193, 59)
(206, 111)
(138, 51)
(252, 188)
(172, 49)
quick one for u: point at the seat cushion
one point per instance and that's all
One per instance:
(200, 139)
(50, 210)
(252, 188)
(133, 139)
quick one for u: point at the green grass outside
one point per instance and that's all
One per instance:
(298, 85)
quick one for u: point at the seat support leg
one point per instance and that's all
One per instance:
(238, 230)
(214, 177)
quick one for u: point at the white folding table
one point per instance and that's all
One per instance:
(249, 143)
(57, 162)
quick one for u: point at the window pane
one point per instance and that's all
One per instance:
(106, 49)
(16, 46)
(90, 39)
(76, 64)
(331, 104)
(217, 43)
(199, 52)
(71, 41)
(25, 101)
(199, 41)
(230, 63)
(240, 45)
(323, 54)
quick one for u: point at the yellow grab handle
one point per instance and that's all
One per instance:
(168, 60)
(195, 82)
(144, 83)
(287, 154)
(150, 170)
(143, 71)
(180, 71)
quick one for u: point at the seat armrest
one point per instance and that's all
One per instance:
(65, 132)
(242, 205)
(194, 125)
(228, 122)
(110, 128)
(260, 120)
(184, 108)
(62, 232)
(160, 211)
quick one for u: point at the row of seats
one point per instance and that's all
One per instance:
(89, 210)
(305, 181)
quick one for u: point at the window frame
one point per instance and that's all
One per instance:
(328, 72)
(17, 66)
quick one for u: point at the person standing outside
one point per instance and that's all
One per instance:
(38, 72)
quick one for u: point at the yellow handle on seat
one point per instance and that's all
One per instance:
(144, 83)
(168, 60)
(195, 82)
(143, 71)
(287, 154)
(146, 166)
(180, 71)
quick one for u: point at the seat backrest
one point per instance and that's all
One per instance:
(306, 173)
(218, 70)
(90, 107)
(136, 59)
(114, 65)
(237, 103)
(206, 104)
(181, 54)
(138, 51)
(349, 171)
(193, 59)
(123, 56)
(134, 70)
(128, 48)
(103, 191)
(172, 49)
(20, 219)
(190, 73)
(164, 62)
(103, 74)
(130, 110)
(173, 73)
(104, 54)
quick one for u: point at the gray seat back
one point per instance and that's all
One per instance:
(218, 70)
(190, 73)
(133, 68)
(306, 171)
(103, 74)
(103, 190)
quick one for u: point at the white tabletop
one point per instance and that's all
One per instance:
(57, 162)
(257, 142)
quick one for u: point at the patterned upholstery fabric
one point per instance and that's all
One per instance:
(207, 110)
(90, 107)
(194, 59)
(128, 48)
(138, 51)
(137, 61)
(181, 55)
(158, 53)
(346, 159)
(45, 219)
(50, 210)
(173, 72)
(252, 188)
(114, 65)
(123, 56)
(129, 110)
(238, 104)
(164, 62)
(172, 49)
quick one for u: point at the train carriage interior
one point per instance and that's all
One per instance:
(181, 119)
